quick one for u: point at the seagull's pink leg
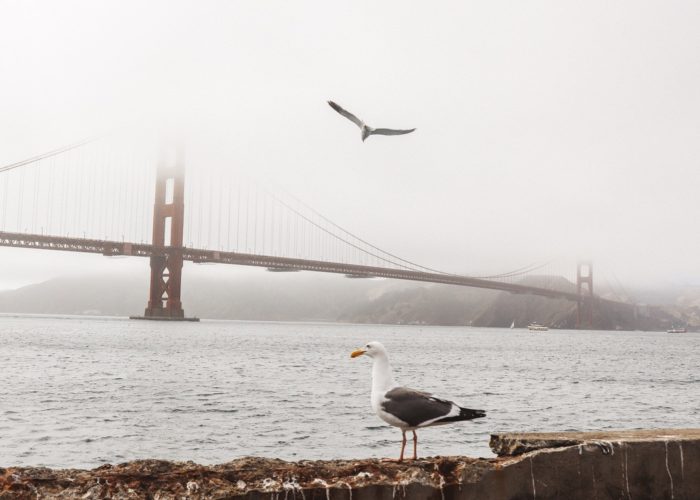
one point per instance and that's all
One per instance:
(403, 446)
(415, 446)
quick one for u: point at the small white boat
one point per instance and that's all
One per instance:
(676, 330)
(536, 327)
(512, 325)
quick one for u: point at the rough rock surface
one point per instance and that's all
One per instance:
(625, 464)
(511, 444)
(165, 480)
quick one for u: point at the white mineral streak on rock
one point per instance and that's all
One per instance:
(91, 493)
(270, 484)
(627, 477)
(402, 484)
(669, 470)
(532, 476)
(349, 487)
(293, 486)
(606, 447)
(595, 485)
(680, 449)
(321, 482)
(192, 487)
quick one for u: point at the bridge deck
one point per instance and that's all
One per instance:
(115, 248)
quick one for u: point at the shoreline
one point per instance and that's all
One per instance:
(66, 316)
(659, 463)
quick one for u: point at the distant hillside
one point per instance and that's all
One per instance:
(312, 297)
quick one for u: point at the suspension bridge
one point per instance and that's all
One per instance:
(87, 198)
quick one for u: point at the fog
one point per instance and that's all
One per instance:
(545, 130)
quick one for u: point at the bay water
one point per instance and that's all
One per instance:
(84, 391)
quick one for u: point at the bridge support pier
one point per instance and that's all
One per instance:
(584, 289)
(168, 224)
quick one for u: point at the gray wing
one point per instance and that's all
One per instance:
(391, 131)
(415, 407)
(346, 114)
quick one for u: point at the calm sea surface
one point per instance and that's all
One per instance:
(79, 392)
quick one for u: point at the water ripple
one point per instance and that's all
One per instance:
(91, 391)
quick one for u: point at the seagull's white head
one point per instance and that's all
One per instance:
(372, 349)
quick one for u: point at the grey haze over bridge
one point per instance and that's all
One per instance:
(278, 234)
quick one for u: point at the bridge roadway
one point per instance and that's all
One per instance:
(117, 248)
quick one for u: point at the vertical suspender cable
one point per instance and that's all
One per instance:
(296, 236)
(238, 218)
(255, 222)
(219, 215)
(49, 197)
(264, 223)
(6, 181)
(247, 219)
(35, 204)
(280, 226)
(79, 194)
(228, 223)
(289, 230)
(131, 191)
(200, 201)
(20, 200)
(211, 212)
(89, 176)
(302, 250)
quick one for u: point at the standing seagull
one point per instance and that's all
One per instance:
(366, 129)
(403, 407)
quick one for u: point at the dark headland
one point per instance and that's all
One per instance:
(307, 297)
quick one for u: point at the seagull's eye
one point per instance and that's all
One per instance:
(369, 346)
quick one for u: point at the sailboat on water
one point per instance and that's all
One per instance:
(512, 325)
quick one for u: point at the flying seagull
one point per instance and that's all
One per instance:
(366, 129)
(406, 408)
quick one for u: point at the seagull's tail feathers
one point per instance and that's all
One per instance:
(464, 414)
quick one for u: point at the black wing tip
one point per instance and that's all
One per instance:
(469, 414)
(333, 105)
(465, 414)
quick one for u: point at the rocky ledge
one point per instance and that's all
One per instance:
(624, 464)
(519, 443)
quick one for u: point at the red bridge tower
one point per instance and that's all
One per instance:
(168, 224)
(584, 289)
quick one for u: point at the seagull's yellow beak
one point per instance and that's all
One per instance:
(356, 353)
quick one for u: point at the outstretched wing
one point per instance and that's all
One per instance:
(346, 114)
(391, 131)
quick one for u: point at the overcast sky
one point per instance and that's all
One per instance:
(545, 129)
